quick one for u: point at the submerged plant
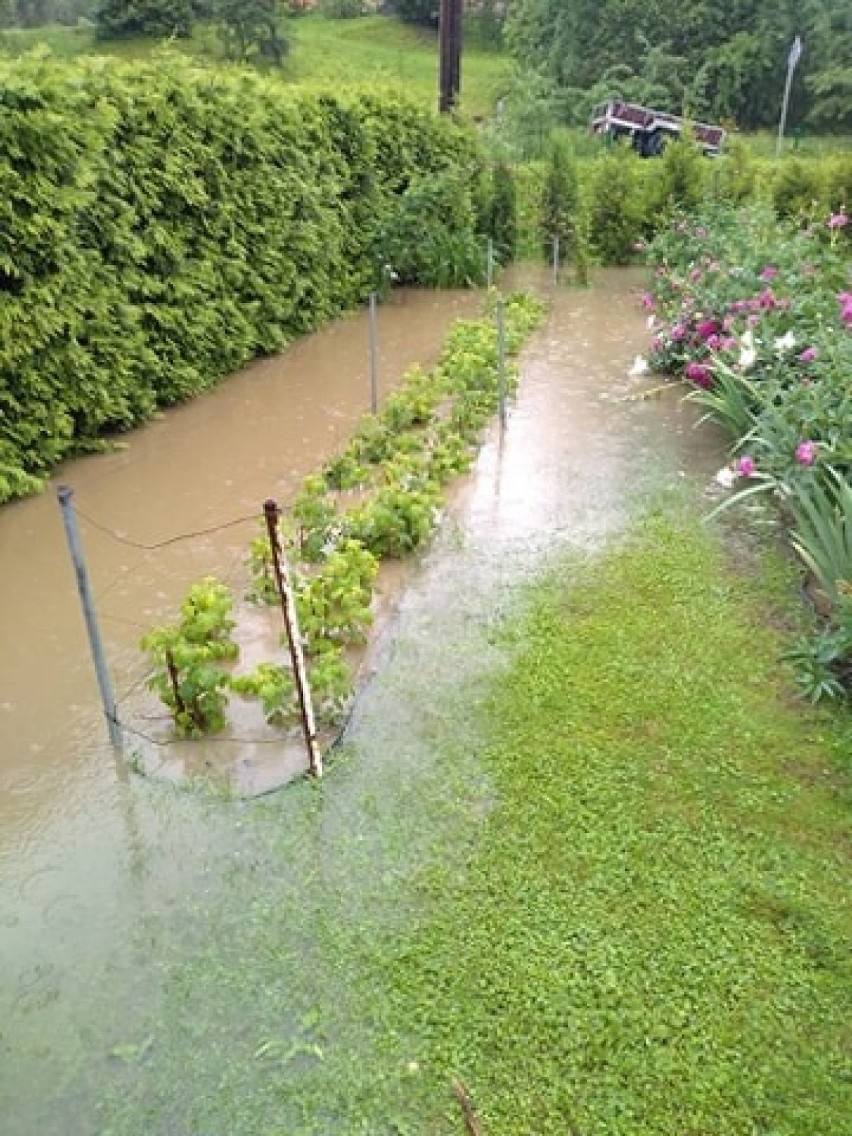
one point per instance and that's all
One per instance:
(188, 659)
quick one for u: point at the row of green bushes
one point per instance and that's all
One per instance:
(162, 224)
(614, 203)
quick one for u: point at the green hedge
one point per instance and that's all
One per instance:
(162, 224)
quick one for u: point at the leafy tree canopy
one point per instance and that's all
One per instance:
(709, 59)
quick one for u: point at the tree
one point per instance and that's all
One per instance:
(423, 12)
(560, 198)
(698, 57)
(117, 19)
(251, 30)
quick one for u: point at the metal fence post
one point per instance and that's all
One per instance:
(294, 642)
(501, 361)
(374, 351)
(65, 496)
(490, 262)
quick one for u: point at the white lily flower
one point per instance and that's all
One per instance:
(786, 342)
(748, 349)
(640, 366)
(725, 477)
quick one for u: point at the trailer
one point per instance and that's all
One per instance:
(649, 130)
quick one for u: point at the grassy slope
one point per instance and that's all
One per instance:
(644, 933)
(340, 52)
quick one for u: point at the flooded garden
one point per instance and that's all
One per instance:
(109, 877)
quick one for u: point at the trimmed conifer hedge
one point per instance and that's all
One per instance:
(161, 224)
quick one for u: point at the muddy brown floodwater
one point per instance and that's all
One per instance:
(86, 863)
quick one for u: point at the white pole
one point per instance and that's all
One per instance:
(792, 60)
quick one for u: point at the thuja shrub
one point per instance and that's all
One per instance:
(161, 224)
(615, 206)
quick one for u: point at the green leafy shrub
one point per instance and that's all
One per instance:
(188, 659)
(796, 187)
(560, 197)
(615, 207)
(431, 236)
(333, 603)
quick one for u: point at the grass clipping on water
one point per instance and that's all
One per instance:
(653, 932)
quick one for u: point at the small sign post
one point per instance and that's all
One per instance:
(792, 59)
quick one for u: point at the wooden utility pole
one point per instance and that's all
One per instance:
(450, 36)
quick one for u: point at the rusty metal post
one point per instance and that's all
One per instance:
(294, 642)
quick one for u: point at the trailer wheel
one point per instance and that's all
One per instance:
(655, 143)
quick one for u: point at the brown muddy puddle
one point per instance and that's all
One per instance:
(83, 865)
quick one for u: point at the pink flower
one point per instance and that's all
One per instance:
(678, 332)
(706, 328)
(746, 466)
(647, 301)
(769, 273)
(806, 453)
(808, 355)
(714, 342)
(695, 275)
(766, 299)
(838, 220)
(699, 374)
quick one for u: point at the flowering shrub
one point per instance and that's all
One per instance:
(756, 315)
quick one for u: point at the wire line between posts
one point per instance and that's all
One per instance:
(169, 540)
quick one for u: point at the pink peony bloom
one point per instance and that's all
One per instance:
(706, 328)
(838, 220)
(699, 374)
(806, 453)
(808, 355)
(766, 299)
(746, 466)
(769, 273)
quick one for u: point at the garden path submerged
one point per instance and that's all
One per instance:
(104, 879)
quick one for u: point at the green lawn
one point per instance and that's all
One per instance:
(609, 892)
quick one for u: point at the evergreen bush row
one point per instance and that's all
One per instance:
(162, 224)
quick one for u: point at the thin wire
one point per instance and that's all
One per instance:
(169, 540)
(132, 690)
(194, 741)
